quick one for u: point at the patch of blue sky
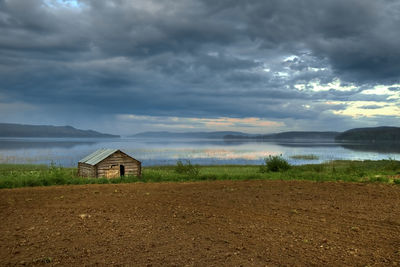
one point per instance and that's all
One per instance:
(63, 3)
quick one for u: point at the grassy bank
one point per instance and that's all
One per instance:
(387, 171)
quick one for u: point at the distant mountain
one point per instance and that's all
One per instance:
(286, 136)
(200, 135)
(371, 135)
(22, 130)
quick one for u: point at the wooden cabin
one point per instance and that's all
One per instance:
(109, 163)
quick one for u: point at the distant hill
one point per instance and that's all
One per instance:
(386, 134)
(371, 135)
(286, 136)
(22, 130)
(205, 135)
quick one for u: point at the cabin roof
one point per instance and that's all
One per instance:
(98, 156)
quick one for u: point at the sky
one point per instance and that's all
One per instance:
(257, 66)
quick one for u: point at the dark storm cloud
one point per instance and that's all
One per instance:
(197, 58)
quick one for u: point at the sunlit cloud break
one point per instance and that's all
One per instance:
(251, 124)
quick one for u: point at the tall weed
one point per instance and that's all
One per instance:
(187, 168)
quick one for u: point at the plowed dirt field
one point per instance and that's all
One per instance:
(223, 223)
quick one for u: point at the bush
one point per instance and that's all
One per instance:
(188, 168)
(274, 164)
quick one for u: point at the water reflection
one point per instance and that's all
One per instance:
(373, 147)
(68, 151)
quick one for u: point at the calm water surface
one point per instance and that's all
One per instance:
(68, 151)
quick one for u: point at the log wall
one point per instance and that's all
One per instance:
(86, 170)
(132, 166)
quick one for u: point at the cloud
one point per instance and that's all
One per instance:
(358, 109)
(371, 107)
(275, 60)
(252, 125)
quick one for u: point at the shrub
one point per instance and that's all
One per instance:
(188, 168)
(274, 164)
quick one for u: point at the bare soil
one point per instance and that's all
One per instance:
(222, 223)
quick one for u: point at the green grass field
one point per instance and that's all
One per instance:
(386, 171)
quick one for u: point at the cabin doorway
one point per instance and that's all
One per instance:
(122, 170)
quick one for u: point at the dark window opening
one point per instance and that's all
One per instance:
(122, 170)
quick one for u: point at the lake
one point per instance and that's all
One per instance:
(68, 151)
